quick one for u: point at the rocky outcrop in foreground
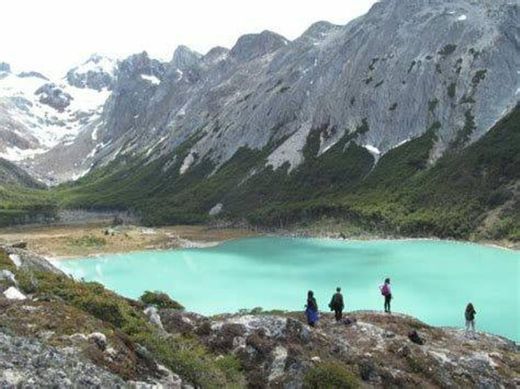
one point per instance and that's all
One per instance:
(70, 334)
(279, 350)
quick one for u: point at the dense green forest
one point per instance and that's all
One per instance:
(471, 192)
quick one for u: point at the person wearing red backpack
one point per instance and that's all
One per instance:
(386, 291)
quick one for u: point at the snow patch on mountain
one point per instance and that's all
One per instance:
(16, 154)
(37, 114)
(188, 161)
(372, 150)
(151, 79)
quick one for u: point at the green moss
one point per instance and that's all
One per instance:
(412, 65)
(363, 127)
(475, 53)
(330, 375)
(467, 99)
(479, 76)
(5, 261)
(464, 134)
(452, 89)
(447, 50)
(371, 67)
(432, 104)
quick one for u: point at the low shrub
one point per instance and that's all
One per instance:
(160, 300)
(88, 241)
(330, 375)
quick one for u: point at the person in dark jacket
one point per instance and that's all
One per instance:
(336, 304)
(386, 291)
(469, 315)
(311, 309)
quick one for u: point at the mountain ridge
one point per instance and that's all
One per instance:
(268, 127)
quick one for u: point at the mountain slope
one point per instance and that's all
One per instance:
(403, 193)
(396, 71)
(11, 174)
(22, 198)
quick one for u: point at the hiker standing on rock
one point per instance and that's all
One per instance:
(311, 309)
(470, 320)
(336, 304)
(386, 291)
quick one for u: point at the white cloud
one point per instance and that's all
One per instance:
(53, 35)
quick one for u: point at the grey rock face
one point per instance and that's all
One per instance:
(399, 70)
(184, 58)
(251, 46)
(53, 96)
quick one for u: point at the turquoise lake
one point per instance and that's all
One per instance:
(431, 280)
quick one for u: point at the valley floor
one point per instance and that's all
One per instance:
(99, 237)
(69, 241)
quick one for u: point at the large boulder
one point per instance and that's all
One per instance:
(12, 293)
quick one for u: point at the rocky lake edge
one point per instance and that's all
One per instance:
(68, 241)
(56, 330)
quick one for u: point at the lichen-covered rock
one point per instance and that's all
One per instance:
(279, 350)
(26, 362)
(153, 315)
(99, 339)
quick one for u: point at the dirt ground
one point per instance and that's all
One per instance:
(83, 240)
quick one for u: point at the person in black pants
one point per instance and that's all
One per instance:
(336, 304)
(386, 291)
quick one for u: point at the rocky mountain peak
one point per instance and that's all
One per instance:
(98, 73)
(251, 46)
(216, 54)
(140, 63)
(185, 58)
(320, 29)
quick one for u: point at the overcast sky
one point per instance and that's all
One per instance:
(53, 35)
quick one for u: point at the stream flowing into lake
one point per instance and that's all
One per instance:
(431, 280)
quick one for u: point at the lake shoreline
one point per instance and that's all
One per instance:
(59, 242)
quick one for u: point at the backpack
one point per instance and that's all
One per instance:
(384, 290)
